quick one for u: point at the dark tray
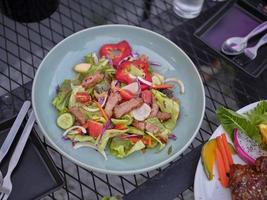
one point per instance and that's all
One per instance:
(235, 18)
(36, 174)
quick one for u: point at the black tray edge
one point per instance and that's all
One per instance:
(6, 124)
(206, 26)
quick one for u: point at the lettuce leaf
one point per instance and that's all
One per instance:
(125, 120)
(110, 133)
(72, 100)
(231, 120)
(123, 148)
(62, 99)
(161, 145)
(134, 130)
(259, 114)
(167, 105)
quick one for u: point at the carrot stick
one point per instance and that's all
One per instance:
(163, 86)
(221, 170)
(228, 153)
(223, 152)
(102, 110)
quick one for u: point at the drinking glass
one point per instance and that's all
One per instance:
(187, 8)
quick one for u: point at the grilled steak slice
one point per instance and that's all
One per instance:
(92, 80)
(151, 128)
(139, 125)
(154, 108)
(163, 116)
(248, 182)
(261, 164)
(78, 114)
(127, 106)
(112, 101)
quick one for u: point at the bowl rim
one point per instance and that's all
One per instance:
(108, 171)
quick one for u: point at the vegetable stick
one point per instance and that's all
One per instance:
(221, 170)
(228, 153)
(223, 152)
(102, 110)
(163, 86)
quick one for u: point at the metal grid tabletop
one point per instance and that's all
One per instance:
(24, 45)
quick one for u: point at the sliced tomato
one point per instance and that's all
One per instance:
(82, 97)
(120, 126)
(147, 96)
(126, 95)
(94, 128)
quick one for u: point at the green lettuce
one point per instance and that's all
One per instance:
(134, 130)
(72, 100)
(161, 145)
(231, 120)
(62, 99)
(167, 105)
(110, 133)
(258, 115)
(122, 148)
(125, 120)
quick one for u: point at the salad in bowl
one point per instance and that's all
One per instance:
(117, 102)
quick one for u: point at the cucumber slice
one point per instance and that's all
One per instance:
(65, 121)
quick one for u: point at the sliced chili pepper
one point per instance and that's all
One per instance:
(82, 97)
(116, 51)
(126, 95)
(123, 74)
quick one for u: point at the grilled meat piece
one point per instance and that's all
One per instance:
(151, 128)
(163, 116)
(112, 101)
(154, 108)
(79, 115)
(139, 125)
(261, 164)
(249, 182)
(92, 80)
(127, 106)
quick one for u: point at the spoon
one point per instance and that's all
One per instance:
(236, 45)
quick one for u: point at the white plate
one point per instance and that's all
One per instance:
(205, 189)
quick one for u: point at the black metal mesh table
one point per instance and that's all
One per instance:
(24, 45)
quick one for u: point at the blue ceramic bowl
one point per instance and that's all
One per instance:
(58, 64)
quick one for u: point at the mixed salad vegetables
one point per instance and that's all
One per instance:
(117, 101)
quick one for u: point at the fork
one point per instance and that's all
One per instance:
(13, 132)
(251, 52)
(6, 187)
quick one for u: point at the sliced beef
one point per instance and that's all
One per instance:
(151, 128)
(139, 125)
(249, 182)
(127, 106)
(92, 80)
(79, 115)
(112, 101)
(261, 164)
(154, 108)
(163, 116)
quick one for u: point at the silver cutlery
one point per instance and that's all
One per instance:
(13, 132)
(6, 186)
(251, 52)
(236, 45)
